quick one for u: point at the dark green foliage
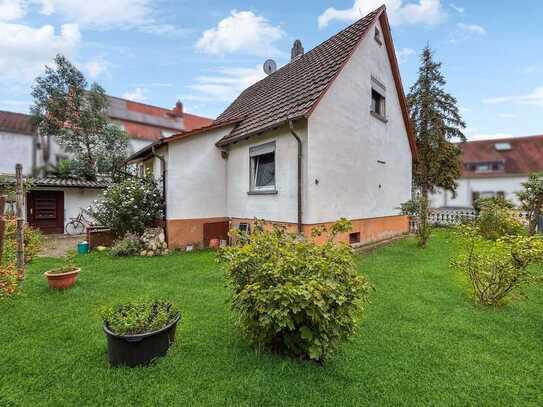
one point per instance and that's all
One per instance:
(129, 245)
(129, 205)
(139, 317)
(293, 295)
(531, 200)
(436, 122)
(64, 107)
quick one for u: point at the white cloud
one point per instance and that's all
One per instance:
(404, 54)
(241, 31)
(458, 9)
(25, 50)
(472, 28)
(11, 10)
(136, 95)
(225, 84)
(106, 14)
(95, 67)
(533, 98)
(427, 12)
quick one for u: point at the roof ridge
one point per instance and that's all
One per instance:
(497, 140)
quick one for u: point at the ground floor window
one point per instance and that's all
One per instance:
(263, 167)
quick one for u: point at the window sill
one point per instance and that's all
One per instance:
(263, 192)
(379, 117)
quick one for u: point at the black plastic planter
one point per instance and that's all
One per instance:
(139, 350)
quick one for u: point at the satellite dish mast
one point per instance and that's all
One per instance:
(269, 66)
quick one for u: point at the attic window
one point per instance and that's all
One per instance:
(378, 100)
(263, 168)
(377, 36)
(502, 146)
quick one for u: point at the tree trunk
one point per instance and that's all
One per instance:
(424, 230)
(2, 225)
(20, 222)
(532, 226)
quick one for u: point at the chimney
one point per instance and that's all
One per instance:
(297, 50)
(178, 109)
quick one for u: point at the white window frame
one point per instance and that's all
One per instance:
(378, 87)
(254, 152)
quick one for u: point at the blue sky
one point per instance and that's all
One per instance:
(205, 52)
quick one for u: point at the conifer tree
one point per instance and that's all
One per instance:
(436, 123)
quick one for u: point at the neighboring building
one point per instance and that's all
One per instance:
(493, 168)
(52, 201)
(337, 114)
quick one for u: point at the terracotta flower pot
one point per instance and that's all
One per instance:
(214, 244)
(61, 281)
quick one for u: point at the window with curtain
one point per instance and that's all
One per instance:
(263, 167)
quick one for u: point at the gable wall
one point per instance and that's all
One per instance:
(345, 143)
(16, 148)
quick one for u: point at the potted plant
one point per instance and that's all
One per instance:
(139, 332)
(64, 277)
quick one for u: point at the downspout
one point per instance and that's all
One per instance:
(299, 141)
(164, 172)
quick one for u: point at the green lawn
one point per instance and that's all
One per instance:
(423, 341)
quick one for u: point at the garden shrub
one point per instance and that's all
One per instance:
(139, 317)
(129, 205)
(292, 295)
(497, 219)
(8, 280)
(130, 245)
(33, 240)
(497, 268)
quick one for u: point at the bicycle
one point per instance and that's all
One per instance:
(77, 225)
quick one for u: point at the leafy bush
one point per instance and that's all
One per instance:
(129, 205)
(130, 245)
(139, 317)
(497, 268)
(8, 280)
(33, 240)
(293, 295)
(497, 219)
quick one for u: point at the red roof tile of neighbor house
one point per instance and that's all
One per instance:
(193, 121)
(16, 123)
(295, 89)
(524, 156)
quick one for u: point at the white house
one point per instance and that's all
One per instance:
(493, 168)
(53, 201)
(325, 136)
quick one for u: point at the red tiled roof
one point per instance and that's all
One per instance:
(524, 157)
(294, 90)
(193, 121)
(16, 123)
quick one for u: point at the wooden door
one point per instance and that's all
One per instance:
(45, 211)
(215, 230)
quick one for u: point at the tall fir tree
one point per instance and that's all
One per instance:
(436, 123)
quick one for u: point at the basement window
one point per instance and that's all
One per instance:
(378, 100)
(354, 237)
(262, 168)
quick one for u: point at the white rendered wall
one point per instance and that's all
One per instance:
(346, 142)
(466, 186)
(15, 148)
(196, 177)
(76, 198)
(281, 207)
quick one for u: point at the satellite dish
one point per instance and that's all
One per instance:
(269, 66)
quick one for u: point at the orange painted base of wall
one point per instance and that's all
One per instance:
(182, 232)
